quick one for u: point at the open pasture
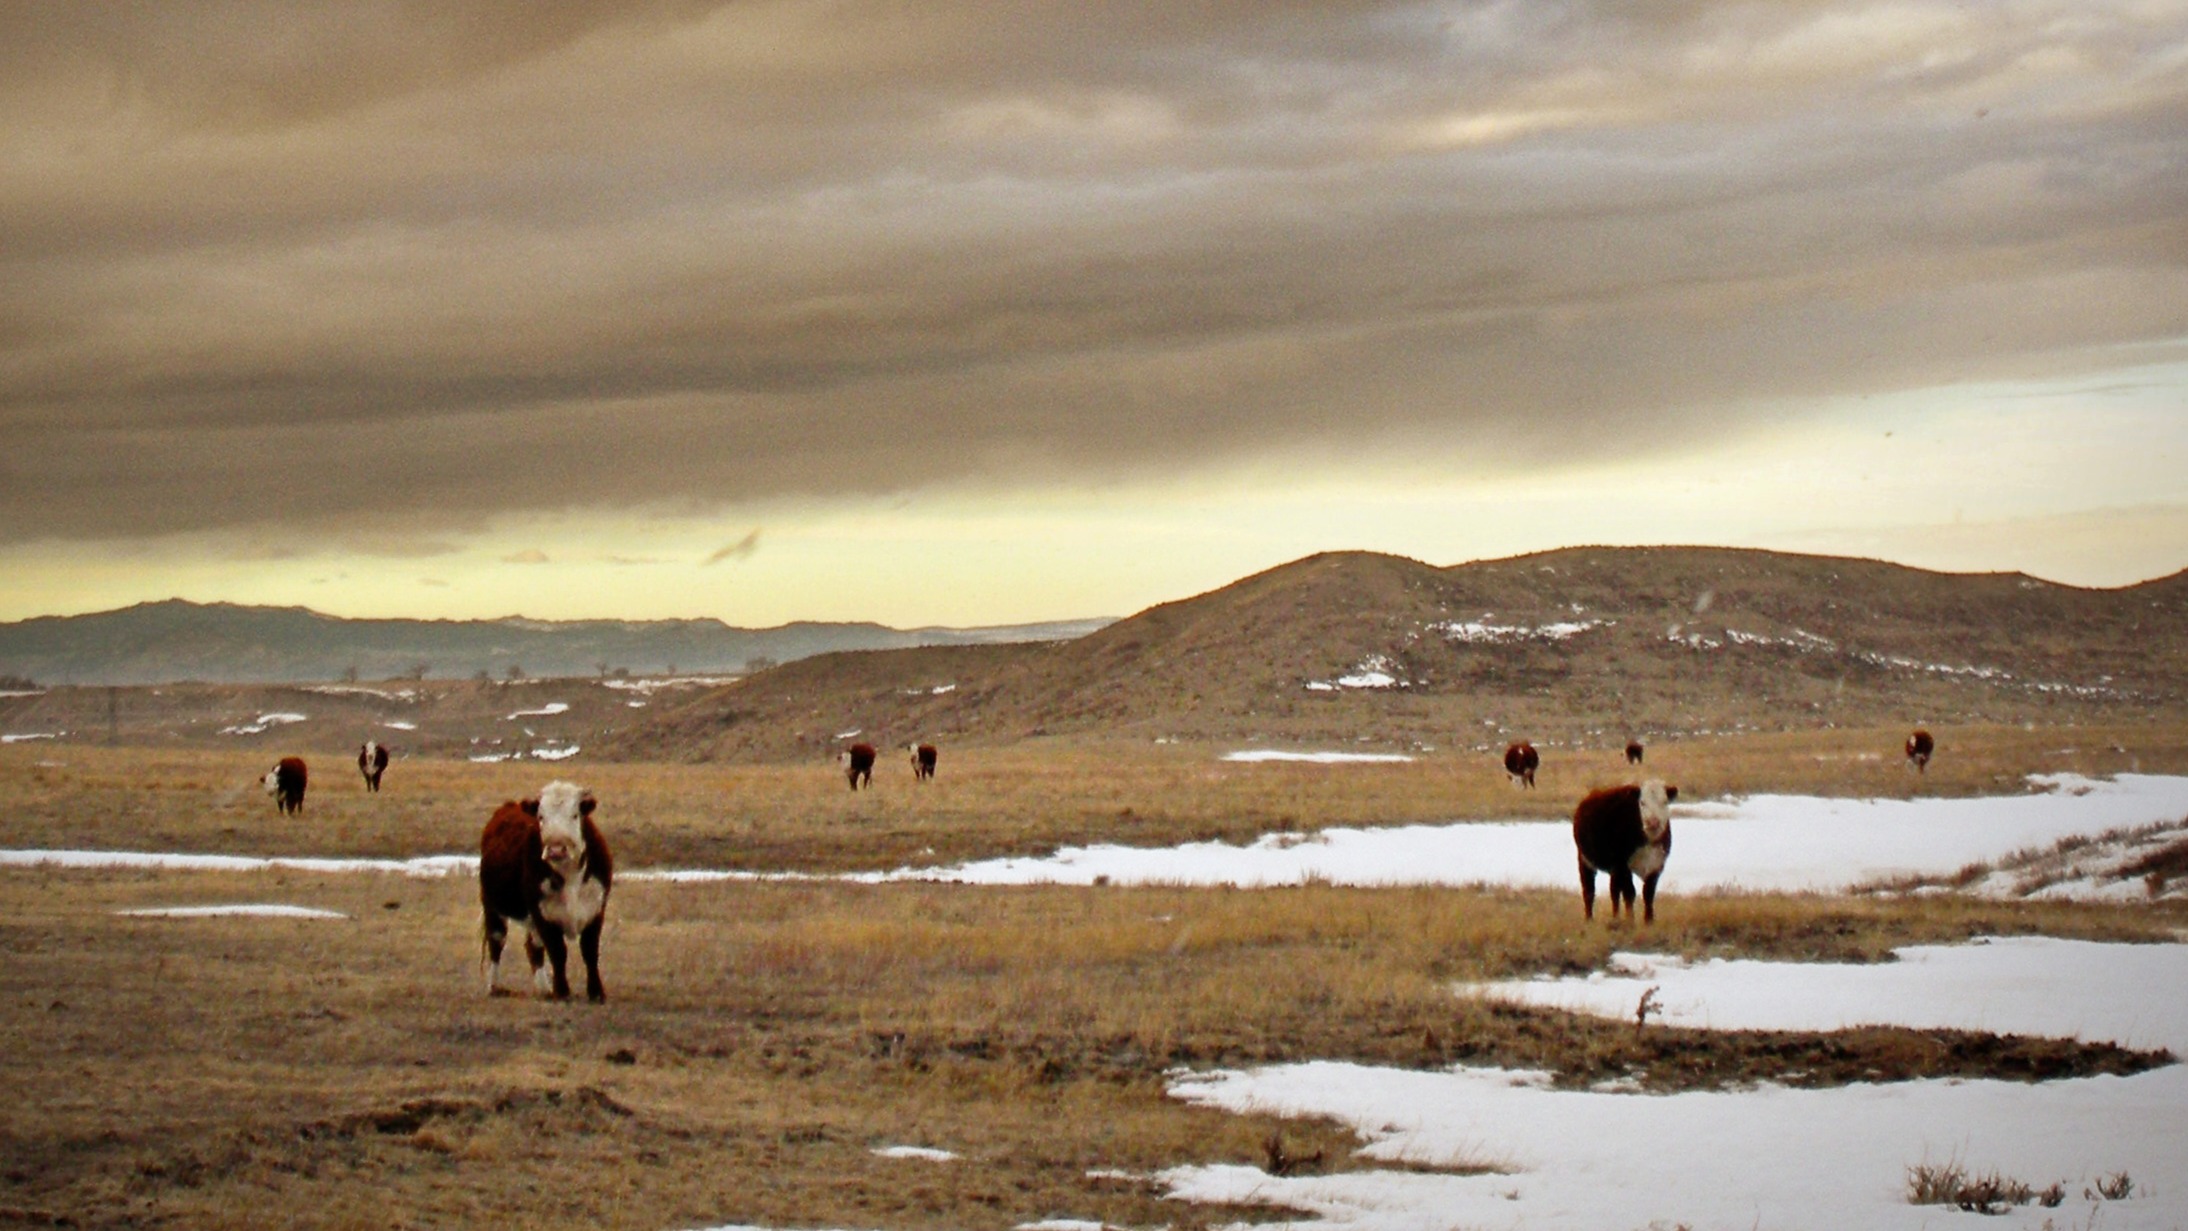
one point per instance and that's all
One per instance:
(762, 1041)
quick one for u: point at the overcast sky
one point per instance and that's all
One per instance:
(972, 313)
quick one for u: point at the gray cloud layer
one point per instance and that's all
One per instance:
(278, 262)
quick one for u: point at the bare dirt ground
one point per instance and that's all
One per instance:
(762, 1041)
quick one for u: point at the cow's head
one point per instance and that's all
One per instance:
(272, 781)
(1656, 808)
(561, 809)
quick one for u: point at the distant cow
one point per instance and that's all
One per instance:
(923, 758)
(859, 762)
(1919, 748)
(285, 782)
(1633, 752)
(1625, 831)
(372, 762)
(1520, 761)
(544, 868)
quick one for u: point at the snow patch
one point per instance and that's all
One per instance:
(1482, 632)
(926, 1153)
(548, 710)
(265, 722)
(1256, 755)
(31, 735)
(268, 910)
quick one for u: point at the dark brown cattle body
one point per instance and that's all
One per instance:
(860, 759)
(551, 878)
(1633, 752)
(372, 762)
(1919, 748)
(1624, 830)
(923, 759)
(285, 782)
(1520, 761)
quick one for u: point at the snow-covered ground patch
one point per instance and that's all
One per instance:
(925, 1153)
(548, 710)
(423, 865)
(560, 752)
(393, 724)
(360, 690)
(1374, 671)
(653, 684)
(1483, 632)
(1256, 755)
(1762, 843)
(27, 736)
(1771, 1156)
(266, 722)
(267, 910)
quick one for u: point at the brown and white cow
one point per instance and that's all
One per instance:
(1625, 831)
(923, 759)
(372, 762)
(1919, 748)
(544, 868)
(1520, 761)
(1633, 752)
(285, 782)
(858, 761)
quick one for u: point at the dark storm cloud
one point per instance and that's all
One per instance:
(293, 264)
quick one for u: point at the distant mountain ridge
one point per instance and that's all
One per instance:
(175, 640)
(1585, 644)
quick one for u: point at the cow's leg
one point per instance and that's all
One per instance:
(1622, 892)
(558, 956)
(1587, 890)
(588, 945)
(536, 953)
(1648, 897)
(496, 935)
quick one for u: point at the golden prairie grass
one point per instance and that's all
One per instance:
(763, 1039)
(1016, 800)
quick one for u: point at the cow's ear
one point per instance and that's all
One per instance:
(586, 803)
(1670, 793)
(530, 806)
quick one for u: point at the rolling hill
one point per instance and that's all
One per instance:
(1574, 645)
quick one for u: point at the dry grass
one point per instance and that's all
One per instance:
(761, 1040)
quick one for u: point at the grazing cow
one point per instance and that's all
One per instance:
(372, 762)
(859, 758)
(1625, 831)
(1520, 761)
(544, 868)
(1919, 748)
(1633, 752)
(923, 758)
(285, 782)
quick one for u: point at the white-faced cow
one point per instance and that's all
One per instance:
(1633, 752)
(858, 761)
(923, 759)
(1919, 748)
(372, 762)
(1625, 831)
(285, 782)
(544, 868)
(1520, 761)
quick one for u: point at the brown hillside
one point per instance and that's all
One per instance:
(1582, 645)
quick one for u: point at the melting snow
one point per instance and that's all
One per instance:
(397, 725)
(265, 722)
(548, 710)
(1374, 671)
(31, 735)
(655, 684)
(1770, 1156)
(359, 690)
(562, 753)
(920, 1152)
(1483, 632)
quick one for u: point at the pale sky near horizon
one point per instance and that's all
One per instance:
(972, 314)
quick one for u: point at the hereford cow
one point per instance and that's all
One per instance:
(1633, 752)
(372, 762)
(923, 758)
(544, 868)
(285, 782)
(1919, 748)
(1520, 761)
(1625, 831)
(859, 762)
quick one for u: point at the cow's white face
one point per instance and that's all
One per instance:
(562, 809)
(1656, 809)
(365, 753)
(272, 782)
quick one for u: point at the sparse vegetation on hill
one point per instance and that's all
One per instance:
(1585, 646)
